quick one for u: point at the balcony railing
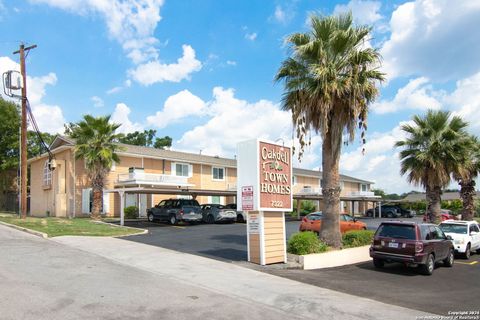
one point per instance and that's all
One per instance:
(310, 190)
(361, 194)
(231, 186)
(151, 179)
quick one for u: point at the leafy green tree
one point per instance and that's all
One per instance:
(9, 135)
(34, 144)
(329, 80)
(379, 192)
(433, 150)
(137, 138)
(467, 182)
(162, 143)
(96, 144)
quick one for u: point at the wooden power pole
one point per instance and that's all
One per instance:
(23, 141)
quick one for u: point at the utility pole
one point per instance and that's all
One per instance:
(23, 142)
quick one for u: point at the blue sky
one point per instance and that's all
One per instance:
(202, 71)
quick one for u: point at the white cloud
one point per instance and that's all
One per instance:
(231, 62)
(233, 120)
(465, 101)
(251, 36)
(121, 116)
(49, 118)
(434, 39)
(97, 102)
(179, 106)
(132, 24)
(418, 94)
(154, 71)
(114, 90)
(364, 12)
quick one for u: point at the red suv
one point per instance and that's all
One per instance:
(414, 244)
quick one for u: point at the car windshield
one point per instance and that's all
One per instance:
(314, 216)
(397, 231)
(453, 228)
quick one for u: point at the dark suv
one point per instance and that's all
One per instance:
(175, 210)
(391, 211)
(413, 244)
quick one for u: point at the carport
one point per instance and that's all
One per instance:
(170, 190)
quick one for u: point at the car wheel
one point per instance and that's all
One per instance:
(150, 217)
(427, 268)
(467, 253)
(389, 214)
(240, 218)
(173, 220)
(210, 219)
(364, 228)
(378, 263)
(448, 262)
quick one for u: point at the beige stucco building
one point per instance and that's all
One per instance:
(148, 175)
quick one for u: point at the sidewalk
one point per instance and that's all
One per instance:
(240, 283)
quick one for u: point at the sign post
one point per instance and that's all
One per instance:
(264, 192)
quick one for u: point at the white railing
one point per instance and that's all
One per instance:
(310, 190)
(151, 178)
(361, 194)
(231, 186)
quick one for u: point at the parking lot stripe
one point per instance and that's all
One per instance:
(467, 263)
(178, 227)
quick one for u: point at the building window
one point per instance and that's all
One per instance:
(181, 169)
(218, 173)
(364, 187)
(342, 185)
(294, 180)
(47, 174)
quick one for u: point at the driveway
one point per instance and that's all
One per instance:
(227, 242)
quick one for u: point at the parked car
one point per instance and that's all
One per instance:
(313, 222)
(175, 210)
(241, 216)
(445, 214)
(388, 211)
(411, 243)
(465, 235)
(216, 212)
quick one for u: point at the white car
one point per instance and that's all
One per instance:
(465, 235)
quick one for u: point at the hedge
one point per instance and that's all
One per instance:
(131, 212)
(357, 238)
(305, 243)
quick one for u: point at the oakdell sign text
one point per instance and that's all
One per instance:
(275, 176)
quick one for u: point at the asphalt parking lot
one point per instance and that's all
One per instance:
(447, 290)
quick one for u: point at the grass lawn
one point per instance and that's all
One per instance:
(55, 227)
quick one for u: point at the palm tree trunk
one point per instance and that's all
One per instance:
(330, 227)
(467, 191)
(434, 201)
(97, 188)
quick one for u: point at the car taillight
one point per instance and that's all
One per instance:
(181, 212)
(418, 247)
(304, 219)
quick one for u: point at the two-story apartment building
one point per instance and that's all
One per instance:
(144, 176)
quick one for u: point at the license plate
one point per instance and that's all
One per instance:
(393, 245)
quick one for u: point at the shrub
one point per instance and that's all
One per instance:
(357, 238)
(131, 212)
(305, 243)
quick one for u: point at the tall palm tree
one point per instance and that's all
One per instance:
(329, 80)
(434, 149)
(467, 182)
(96, 144)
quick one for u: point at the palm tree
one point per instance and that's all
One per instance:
(467, 182)
(329, 80)
(434, 149)
(96, 144)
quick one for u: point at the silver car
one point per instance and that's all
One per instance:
(216, 213)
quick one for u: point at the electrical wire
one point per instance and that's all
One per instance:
(37, 130)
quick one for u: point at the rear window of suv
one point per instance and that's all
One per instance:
(189, 203)
(397, 231)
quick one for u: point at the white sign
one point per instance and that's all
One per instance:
(247, 198)
(253, 224)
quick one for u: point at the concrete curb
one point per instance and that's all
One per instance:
(37, 233)
(330, 259)
(141, 231)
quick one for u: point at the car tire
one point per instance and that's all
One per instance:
(150, 217)
(467, 253)
(240, 218)
(173, 220)
(378, 263)
(429, 266)
(448, 262)
(389, 214)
